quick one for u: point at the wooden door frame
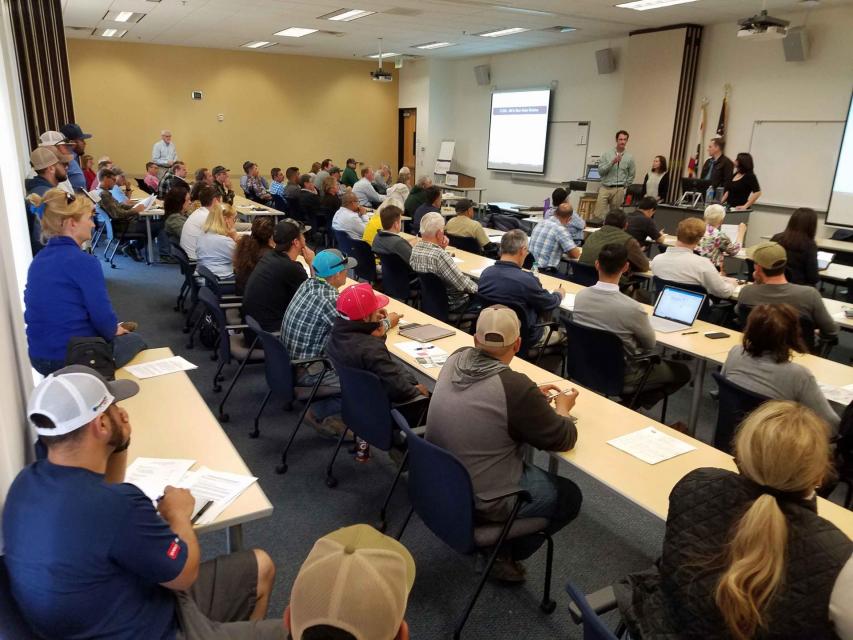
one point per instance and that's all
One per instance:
(401, 142)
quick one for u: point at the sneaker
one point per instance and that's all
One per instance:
(168, 260)
(505, 569)
(320, 427)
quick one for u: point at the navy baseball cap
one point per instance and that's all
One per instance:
(331, 261)
(72, 131)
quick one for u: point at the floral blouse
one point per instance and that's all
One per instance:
(716, 245)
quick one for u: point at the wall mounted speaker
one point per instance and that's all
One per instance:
(483, 74)
(605, 61)
(796, 45)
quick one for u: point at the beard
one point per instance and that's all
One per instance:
(116, 436)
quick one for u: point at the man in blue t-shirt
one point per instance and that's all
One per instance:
(88, 555)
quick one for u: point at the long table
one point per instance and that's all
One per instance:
(171, 420)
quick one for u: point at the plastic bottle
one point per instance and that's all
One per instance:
(362, 450)
(535, 268)
(709, 195)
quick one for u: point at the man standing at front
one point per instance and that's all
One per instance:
(718, 169)
(617, 169)
(163, 153)
(503, 411)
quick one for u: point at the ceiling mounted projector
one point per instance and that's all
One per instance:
(762, 27)
(380, 75)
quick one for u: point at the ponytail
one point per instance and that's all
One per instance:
(56, 206)
(755, 567)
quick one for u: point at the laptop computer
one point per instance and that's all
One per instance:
(592, 172)
(824, 259)
(676, 309)
(424, 332)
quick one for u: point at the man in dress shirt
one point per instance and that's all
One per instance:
(367, 196)
(718, 169)
(350, 218)
(551, 239)
(77, 139)
(617, 170)
(164, 154)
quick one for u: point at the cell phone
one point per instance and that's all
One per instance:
(848, 313)
(716, 335)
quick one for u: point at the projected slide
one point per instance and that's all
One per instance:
(518, 130)
(841, 201)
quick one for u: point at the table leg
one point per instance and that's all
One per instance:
(234, 538)
(150, 241)
(698, 383)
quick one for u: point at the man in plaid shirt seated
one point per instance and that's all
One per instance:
(551, 239)
(429, 256)
(305, 329)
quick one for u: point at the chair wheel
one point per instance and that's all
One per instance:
(281, 469)
(224, 417)
(548, 607)
(331, 482)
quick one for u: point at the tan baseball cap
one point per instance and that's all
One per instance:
(497, 326)
(354, 579)
(769, 255)
(42, 158)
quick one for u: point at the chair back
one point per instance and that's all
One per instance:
(186, 266)
(365, 406)
(596, 358)
(211, 303)
(593, 627)
(660, 283)
(211, 280)
(471, 245)
(440, 491)
(396, 276)
(434, 296)
(144, 187)
(279, 203)
(735, 403)
(583, 274)
(343, 241)
(526, 332)
(277, 365)
(366, 268)
(293, 208)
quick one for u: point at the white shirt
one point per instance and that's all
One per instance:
(367, 195)
(216, 252)
(680, 264)
(350, 222)
(192, 231)
(163, 154)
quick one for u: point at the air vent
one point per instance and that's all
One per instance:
(69, 28)
(402, 11)
(560, 29)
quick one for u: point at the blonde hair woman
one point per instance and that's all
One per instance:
(66, 294)
(716, 245)
(218, 241)
(745, 554)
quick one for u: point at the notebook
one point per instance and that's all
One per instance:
(676, 309)
(824, 258)
(424, 332)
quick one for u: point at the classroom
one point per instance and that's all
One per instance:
(426, 319)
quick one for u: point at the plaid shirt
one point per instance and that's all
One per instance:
(430, 258)
(256, 186)
(308, 319)
(549, 241)
(169, 181)
(277, 188)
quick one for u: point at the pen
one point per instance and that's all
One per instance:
(689, 333)
(201, 511)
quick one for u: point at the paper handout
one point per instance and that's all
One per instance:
(220, 487)
(152, 475)
(160, 367)
(427, 355)
(651, 445)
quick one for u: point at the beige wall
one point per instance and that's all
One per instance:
(278, 109)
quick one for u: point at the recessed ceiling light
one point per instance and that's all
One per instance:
(123, 16)
(347, 15)
(258, 44)
(295, 32)
(645, 5)
(502, 32)
(433, 45)
(530, 12)
(389, 54)
(111, 33)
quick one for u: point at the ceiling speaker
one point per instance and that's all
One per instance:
(605, 61)
(796, 45)
(483, 73)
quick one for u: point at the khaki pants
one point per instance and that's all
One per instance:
(608, 197)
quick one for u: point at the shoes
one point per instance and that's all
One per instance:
(132, 252)
(505, 569)
(330, 428)
(334, 424)
(168, 260)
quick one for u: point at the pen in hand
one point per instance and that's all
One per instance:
(201, 511)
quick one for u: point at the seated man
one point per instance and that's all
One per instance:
(551, 239)
(771, 287)
(388, 240)
(175, 176)
(506, 282)
(577, 224)
(193, 228)
(349, 177)
(253, 185)
(222, 183)
(680, 264)
(309, 200)
(612, 231)
(277, 185)
(603, 306)
(373, 573)
(113, 565)
(124, 213)
(305, 331)
(503, 411)
(350, 218)
(431, 203)
(464, 225)
(429, 256)
(151, 179)
(417, 196)
(291, 189)
(122, 191)
(277, 276)
(367, 195)
(641, 226)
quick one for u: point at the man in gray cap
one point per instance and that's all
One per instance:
(89, 555)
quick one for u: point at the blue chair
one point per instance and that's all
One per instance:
(583, 274)
(441, 494)
(434, 301)
(279, 203)
(343, 241)
(735, 404)
(593, 627)
(397, 278)
(366, 268)
(367, 412)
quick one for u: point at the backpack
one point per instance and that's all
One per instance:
(95, 353)
(208, 331)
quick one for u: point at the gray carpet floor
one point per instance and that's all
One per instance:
(610, 538)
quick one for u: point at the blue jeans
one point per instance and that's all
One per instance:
(324, 407)
(125, 347)
(553, 497)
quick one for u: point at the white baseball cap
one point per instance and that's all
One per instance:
(73, 397)
(51, 139)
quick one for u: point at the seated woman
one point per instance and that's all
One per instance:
(216, 245)
(716, 245)
(176, 207)
(251, 248)
(763, 364)
(798, 238)
(746, 555)
(66, 294)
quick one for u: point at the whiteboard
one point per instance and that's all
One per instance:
(795, 161)
(567, 149)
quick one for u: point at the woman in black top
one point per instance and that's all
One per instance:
(743, 189)
(656, 182)
(798, 238)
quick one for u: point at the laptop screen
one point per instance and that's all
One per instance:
(679, 305)
(824, 258)
(592, 172)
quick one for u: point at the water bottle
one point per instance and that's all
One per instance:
(709, 195)
(535, 268)
(718, 194)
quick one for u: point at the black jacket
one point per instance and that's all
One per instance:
(309, 204)
(802, 263)
(722, 172)
(663, 187)
(352, 345)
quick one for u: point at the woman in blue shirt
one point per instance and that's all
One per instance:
(66, 294)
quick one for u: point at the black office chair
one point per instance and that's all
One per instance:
(144, 187)
(595, 358)
(434, 302)
(279, 203)
(583, 274)
(398, 279)
(366, 268)
(189, 287)
(471, 245)
(713, 310)
(343, 241)
(735, 403)
(293, 208)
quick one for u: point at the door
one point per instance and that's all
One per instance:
(407, 139)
